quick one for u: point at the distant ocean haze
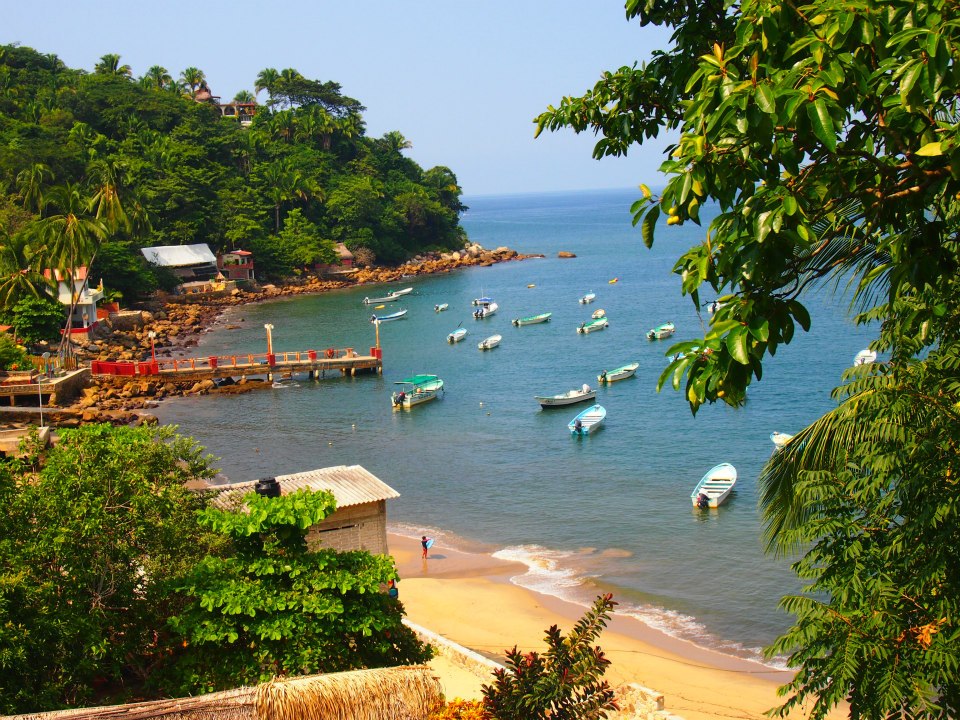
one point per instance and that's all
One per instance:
(485, 467)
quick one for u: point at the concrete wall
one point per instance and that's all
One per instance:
(358, 527)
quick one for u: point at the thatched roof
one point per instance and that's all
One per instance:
(410, 693)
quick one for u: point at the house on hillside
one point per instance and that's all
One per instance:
(85, 313)
(236, 265)
(360, 520)
(343, 265)
(189, 262)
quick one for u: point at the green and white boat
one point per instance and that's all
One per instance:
(661, 331)
(621, 373)
(532, 320)
(591, 325)
(416, 390)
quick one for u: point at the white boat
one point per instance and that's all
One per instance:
(599, 313)
(532, 319)
(621, 373)
(714, 487)
(588, 298)
(712, 307)
(591, 325)
(570, 397)
(457, 335)
(378, 300)
(489, 343)
(482, 301)
(661, 331)
(387, 318)
(779, 439)
(399, 293)
(485, 311)
(416, 390)
(865, 356)
(441, 307)
(587, 421)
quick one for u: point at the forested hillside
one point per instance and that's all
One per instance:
(96, 164)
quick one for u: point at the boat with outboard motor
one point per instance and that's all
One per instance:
(416, 390)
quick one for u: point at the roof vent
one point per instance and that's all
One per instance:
(268, 487)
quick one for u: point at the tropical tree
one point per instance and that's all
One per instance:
(21, 270)
(31, 182)
(110, 65)
(193, 78)
(158, 78)
(88, 540)
(827, 135)
(271, 606)
(244, 96)
(284, 182)
(266, 80)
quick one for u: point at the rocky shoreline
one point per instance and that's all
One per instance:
(177, 322)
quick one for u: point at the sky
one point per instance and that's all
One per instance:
(462, 80)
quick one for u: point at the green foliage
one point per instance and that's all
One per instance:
(828, 135)
(35, 318)
(128, 270)
(302, 242)
(12, 356)
(86, 543)
(565, 682)
(271, 606)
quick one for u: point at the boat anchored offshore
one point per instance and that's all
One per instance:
(661, 331)
(570, 397)
(441, 307)
(714, 487)
(588, 298)
(377, 319)
(489, 343)
(598, 313)
(620, 373)
(485, 311)
(457, 335)
(416, 390)
(587, 421)
(780, 439)
(591, 325)
(865, 356)
(481, 301)
(532, 319)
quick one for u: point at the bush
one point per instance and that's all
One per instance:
(36, 319)
(12, 356)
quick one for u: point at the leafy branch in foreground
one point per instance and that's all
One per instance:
(563, 682)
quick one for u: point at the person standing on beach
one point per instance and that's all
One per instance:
(423, 543)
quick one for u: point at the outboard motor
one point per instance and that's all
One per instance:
(703, 501)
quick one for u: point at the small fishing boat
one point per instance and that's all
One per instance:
(661, 331)
(416, 390)
(865, 356)
(588, 298)
(779, 439)
(598, 313)
(613, 281)
(620, 373)
(387, 318)
(485, 311)
(714, 487)
(587, 421)
(590, 325)
(378, 300)
(400, 293)
(489, 343)
(457, 335)
(531, 285)
(482, 301)
(441, 307)
(570, 397)
(532, 319)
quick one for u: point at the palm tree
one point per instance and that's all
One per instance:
(30, 182)
(286, 183)
(21, 273)
(395, 141)
(158, 77)
(110, 65)
(266, 80)
(244, 96)
(193, 78)
(71, 239)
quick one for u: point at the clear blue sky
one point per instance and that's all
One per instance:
(461, 80)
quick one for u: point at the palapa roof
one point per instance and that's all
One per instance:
(379, 694)
(350, 485)
(179, 255)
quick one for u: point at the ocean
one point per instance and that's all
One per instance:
(485, 469)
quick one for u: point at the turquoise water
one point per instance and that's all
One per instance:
(485, 467)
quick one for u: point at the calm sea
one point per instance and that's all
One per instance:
(485, 468)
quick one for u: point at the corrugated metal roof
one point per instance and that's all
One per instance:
(179, 255)
(350, 485)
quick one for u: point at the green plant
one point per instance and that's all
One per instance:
(563, 682)
(12, 356)
(35, 318)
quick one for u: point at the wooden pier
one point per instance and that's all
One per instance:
(315, 363)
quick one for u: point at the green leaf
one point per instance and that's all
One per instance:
(649, 222)
(822, 123)
(765, 99)
(737, 343)
(931, 149)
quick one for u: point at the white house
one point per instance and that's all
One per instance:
(85, 313)
(188, 262)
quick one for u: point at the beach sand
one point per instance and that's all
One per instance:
(468, 598)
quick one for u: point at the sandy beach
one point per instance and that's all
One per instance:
(468, 598)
